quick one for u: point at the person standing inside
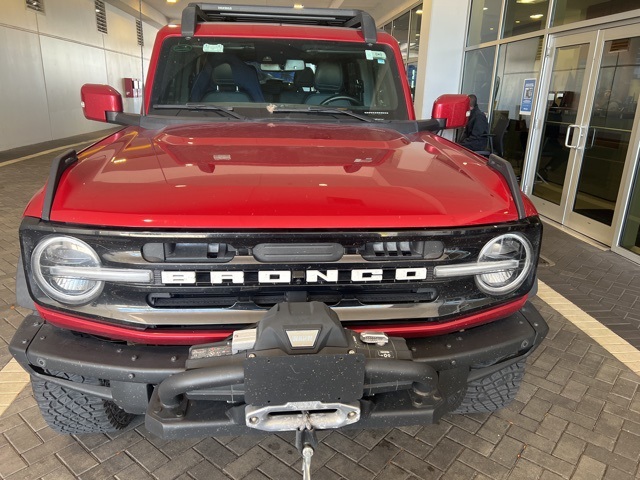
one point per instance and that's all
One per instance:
(476, 131)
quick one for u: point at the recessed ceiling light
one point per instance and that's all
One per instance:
(298, 5)
(485, 8)
(418, 12)
(536, 16)
(172, 1)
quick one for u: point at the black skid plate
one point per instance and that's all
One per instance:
(276, 380)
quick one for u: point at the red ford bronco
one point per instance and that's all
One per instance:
(275, 244)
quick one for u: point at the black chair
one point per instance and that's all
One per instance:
(495, 139)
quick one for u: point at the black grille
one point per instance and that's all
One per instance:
(101, 16)
(139, 33)
(428, 250)
(188, 252)
(222, 274)
(267, 299)
(37, 5)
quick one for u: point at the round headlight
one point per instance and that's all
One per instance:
(510, 246)
(65, 252)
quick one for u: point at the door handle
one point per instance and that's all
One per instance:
(566, 139)
(593, 138)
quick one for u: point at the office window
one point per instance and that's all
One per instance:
(484, 21)
(525, 16)
(631, 230)
(569, 11)
(401, 33)
(517, 74)
(477, 74)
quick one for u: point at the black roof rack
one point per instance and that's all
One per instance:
(196, 13)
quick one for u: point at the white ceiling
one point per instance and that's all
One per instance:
(377, 8)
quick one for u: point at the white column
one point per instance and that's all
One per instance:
(442, 42)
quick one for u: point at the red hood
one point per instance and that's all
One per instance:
(259, 175)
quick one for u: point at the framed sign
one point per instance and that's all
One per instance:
(526, 102)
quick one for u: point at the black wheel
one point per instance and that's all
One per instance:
(337, 98)
(69, 411)
(494, 391)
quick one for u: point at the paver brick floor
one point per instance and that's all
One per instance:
(577, 416)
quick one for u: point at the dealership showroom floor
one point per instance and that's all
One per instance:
(577, 414)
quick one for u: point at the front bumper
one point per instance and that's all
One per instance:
(182, 398)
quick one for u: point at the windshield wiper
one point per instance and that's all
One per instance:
(201, 107)
(323, 110)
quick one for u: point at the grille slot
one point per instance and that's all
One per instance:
(182, 252)
(428, 250)
(267, 299)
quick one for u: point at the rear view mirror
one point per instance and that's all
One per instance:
(97, 100)
(452, 110)
(270, 67)
(294, 65)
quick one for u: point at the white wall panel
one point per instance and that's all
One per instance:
(41, 72)
(67, 66)
(15, 13)
(71, 19)
(121, 66)
(23, 117)
(122, 32)
(149, 33)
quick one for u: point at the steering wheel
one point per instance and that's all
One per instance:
(338, 97)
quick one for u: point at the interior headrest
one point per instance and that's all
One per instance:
(223, 75)
(304, 78)
(328, 77)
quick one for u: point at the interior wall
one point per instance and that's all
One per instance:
(442, 41)
(46, 58)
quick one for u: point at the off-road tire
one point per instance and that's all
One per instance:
(69, 411)
(494, 391)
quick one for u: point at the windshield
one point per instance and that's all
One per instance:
(268, 78)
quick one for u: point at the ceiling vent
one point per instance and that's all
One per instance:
(37, 5)
(139, 33)
(101, 16)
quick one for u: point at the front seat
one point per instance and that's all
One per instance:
(226, 74)
(303, 81)
(329, 83)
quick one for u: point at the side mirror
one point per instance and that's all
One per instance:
(452, 110)
(97, 100)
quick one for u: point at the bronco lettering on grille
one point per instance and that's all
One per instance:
(285, 276)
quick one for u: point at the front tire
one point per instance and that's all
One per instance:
(70, 411)
(494, 391)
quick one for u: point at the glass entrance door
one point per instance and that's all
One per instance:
(584, 155)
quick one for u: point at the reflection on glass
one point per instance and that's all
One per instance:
(401, 33)
(517, 62)
(414, 34)
(562, 106)
(388, 27)
(609, 131)
(631, 230)
(414, 47)
(568, 11)
(477, 73)
(524, 17)
(484, 21)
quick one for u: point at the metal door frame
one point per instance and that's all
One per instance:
(564, 213)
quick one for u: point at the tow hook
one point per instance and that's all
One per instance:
(306, 442)
(304, 418)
